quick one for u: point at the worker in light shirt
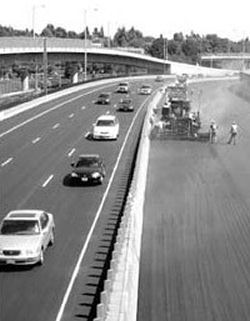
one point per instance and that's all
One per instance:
(213, 132)
(233, 133)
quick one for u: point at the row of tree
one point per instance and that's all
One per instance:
(183, 48)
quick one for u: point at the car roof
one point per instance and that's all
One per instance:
(106, 117)
(24, 214)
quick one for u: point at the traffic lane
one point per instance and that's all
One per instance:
(70, 98)
(34, 162)
(194, 261)
(56, 118)
(37, 127)
(43, 107)
(52, 198)
(40, 128)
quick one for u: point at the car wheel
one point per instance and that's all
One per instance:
(52, 237)
(41, 258)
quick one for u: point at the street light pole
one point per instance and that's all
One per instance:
(34, 18)
(85, 46)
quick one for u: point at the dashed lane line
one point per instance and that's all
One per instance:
(47, 181)
(36, 140)
(87, 134)
(71, 152)
(71, 115)
(7, 161)
(56, 125)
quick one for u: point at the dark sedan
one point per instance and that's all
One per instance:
(104, 99)
(125, 104)
(88, 169)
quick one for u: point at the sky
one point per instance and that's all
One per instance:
(226, 18)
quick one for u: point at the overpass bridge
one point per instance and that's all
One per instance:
(237, 61)
(25, 50)
(82, 59)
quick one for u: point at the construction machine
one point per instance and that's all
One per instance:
(177, 119)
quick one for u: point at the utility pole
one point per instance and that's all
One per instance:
(45, 65)
(85, 46)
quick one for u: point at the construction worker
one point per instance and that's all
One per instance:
(233, 133)
(213, 132)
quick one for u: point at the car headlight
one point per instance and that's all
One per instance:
(1, 252)
(30, 252)
(73, 174)
(95, 175)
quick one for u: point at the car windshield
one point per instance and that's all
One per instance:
(123, 84)
(125, 102)
(105, 122)
(104, 96)
(20, 227)
(87, 162)
(146, 86)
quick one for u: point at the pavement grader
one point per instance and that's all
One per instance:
(176, 119)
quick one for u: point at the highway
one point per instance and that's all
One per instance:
(195, 261)
(37, 147)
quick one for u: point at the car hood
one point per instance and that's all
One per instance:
(19, 241)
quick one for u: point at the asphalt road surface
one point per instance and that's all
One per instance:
(195, 258)
(37, 147)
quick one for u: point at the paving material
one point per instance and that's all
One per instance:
(195, 255)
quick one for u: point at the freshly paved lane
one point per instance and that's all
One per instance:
(195, 259)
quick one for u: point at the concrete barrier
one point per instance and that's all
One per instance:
(120, 298)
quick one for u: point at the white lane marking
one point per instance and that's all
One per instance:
(7, 161)
(71, 115)
(108, 112)
(56, 126)
(47, 180)
(85, 245)
(49, 110)
(87, 134)
(34, 141)
(83, 107)
(71, 152)
(115, 105)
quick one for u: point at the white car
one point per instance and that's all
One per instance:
(24, 236)
(106, 127)
(123, 88)
(145, 90)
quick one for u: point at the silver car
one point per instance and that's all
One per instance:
(24, 237)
